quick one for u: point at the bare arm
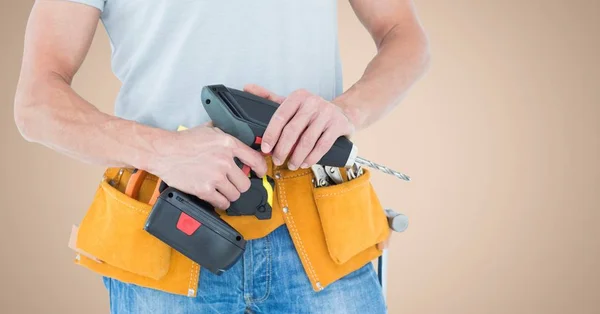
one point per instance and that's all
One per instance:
(402, 57)
(49, 112)
(314, 123)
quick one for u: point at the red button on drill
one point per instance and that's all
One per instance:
(187, 224)
(258, 141)
(246, 169)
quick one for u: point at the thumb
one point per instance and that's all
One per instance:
(211, 125)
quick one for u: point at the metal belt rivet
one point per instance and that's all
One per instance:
(319, 286)
(191, 292)
(277, 175)
(285, 209)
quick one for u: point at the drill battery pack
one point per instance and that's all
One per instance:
(193, 227)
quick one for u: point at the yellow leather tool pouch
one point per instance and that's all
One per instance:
(352, 217)
(113, 231)
(112, 242)
(335, 229)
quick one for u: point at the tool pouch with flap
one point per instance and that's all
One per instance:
(112, 241)
(351, 217)
(335, 231)
(103, 234)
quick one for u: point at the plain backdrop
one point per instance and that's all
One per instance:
(501, 138)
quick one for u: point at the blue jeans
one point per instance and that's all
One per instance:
(269, 278)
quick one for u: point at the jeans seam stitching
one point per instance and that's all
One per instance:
(251, 278)
(247, 288)
(268, 292)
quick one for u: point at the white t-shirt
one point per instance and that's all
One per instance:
(165, 51)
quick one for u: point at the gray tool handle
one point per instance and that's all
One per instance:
(398, 223)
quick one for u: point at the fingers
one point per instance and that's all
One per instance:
(303, 128)
(248, 156)
(228, 190)
(239, 179)
(221, 191)
(208, 124)
(216, 199)
(307, 143)
(280, 118)
(322, 146)
(293, 130)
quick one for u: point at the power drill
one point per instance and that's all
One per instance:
(191, 225)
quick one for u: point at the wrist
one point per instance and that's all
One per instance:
(150, 147)
(352, 113)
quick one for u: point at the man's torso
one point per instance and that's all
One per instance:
(165, 51)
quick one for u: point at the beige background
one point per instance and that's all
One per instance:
(502, 138)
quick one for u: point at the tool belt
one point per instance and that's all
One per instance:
(335, 230)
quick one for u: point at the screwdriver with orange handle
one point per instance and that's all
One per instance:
(135, 183)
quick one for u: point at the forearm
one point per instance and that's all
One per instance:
(49, 112)
(401, 59)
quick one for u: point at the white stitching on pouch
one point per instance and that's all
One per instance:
(342, 191)
(193, 275)
(123, 203)
(294, 231)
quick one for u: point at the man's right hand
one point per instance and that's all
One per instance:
(200, 161)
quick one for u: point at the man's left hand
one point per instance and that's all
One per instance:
(303, 128)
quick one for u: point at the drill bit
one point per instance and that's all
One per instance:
(362, 161)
